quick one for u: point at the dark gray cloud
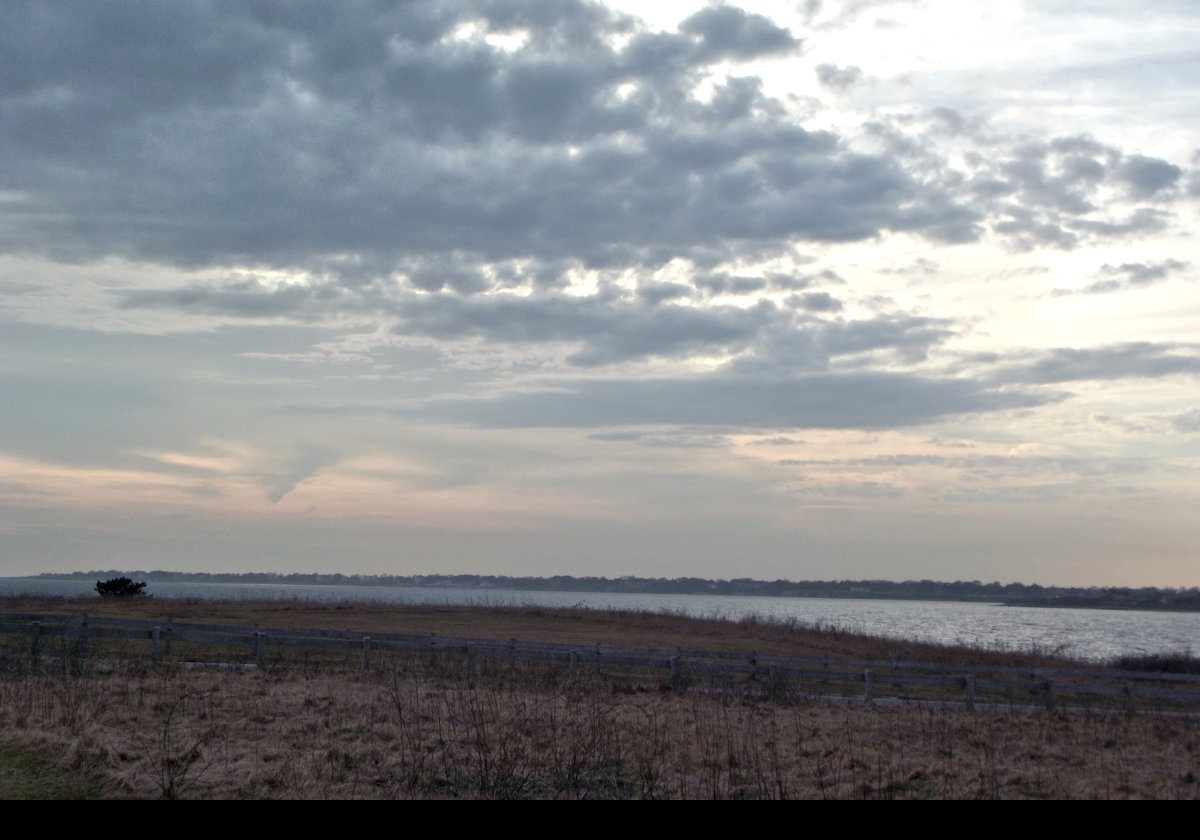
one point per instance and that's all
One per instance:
(1133, 360)
(840, 79)
(1146, 176)
(863, 401)
(721, 283)
(271, 135)
(610, 328)
(655, 293)
(910, 336)
(729, 32)
(248, 298)
(618, 437)
(611, 325)
(1054, 193)
(796, 282)
(267, 134)
(815, 302)
(1115, 278)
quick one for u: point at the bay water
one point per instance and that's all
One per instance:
(1094, 635)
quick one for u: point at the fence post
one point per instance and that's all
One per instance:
(155, 653)
(1130, 700)
(83, 634)
(868, 685)
(969, 684)
(35, 638)
(167, 641)
(366, 653)
(1050, 699)
(674, 663)
(433, 648)
(260, 648)
(512, 653)
(573, 659)
(753, 665)
(346, 647)
(597, 659)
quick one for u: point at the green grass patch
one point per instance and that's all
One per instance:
(25, 774)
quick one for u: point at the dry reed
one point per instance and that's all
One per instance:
(411, 729)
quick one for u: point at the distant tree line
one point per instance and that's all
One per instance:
(1149, 597)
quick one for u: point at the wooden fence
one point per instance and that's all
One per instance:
(36, 637)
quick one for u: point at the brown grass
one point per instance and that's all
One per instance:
(409, 729)
(538, 624)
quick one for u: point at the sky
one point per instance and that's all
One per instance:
(873, 289)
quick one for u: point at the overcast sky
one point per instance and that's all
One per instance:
(811, 290)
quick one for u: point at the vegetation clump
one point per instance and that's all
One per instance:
(119, 587)
(1162, 663)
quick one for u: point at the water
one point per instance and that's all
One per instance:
(1085, 634)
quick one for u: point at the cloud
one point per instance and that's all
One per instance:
(1115, 278)
(404, 141)
(1118, 423)
(846, 401)
(840, 79)
(1145, 176)
(612, 325)
(721, 283)
(839, 14)
(248, 298)
(264, 135)
(665, 440)
(729, 32)
(609, 329)
(1055, 193)
(1188, 421)
(1090, 466)
(816, 302)
(371, 257)
(1141, 360)
(303, 465)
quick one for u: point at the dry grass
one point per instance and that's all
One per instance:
(538, 624)
(410, 729)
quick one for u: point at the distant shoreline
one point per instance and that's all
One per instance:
(1013, 594)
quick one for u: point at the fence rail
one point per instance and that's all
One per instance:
(970, 683)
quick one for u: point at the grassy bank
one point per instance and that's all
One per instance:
(535, 624)
(410, 729)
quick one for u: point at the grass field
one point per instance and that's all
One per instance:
(409, 729)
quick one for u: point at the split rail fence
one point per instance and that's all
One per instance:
(43, 637)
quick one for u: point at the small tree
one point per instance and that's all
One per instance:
(121, 587)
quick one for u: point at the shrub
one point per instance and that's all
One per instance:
(1164, 663)
(120, 587)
